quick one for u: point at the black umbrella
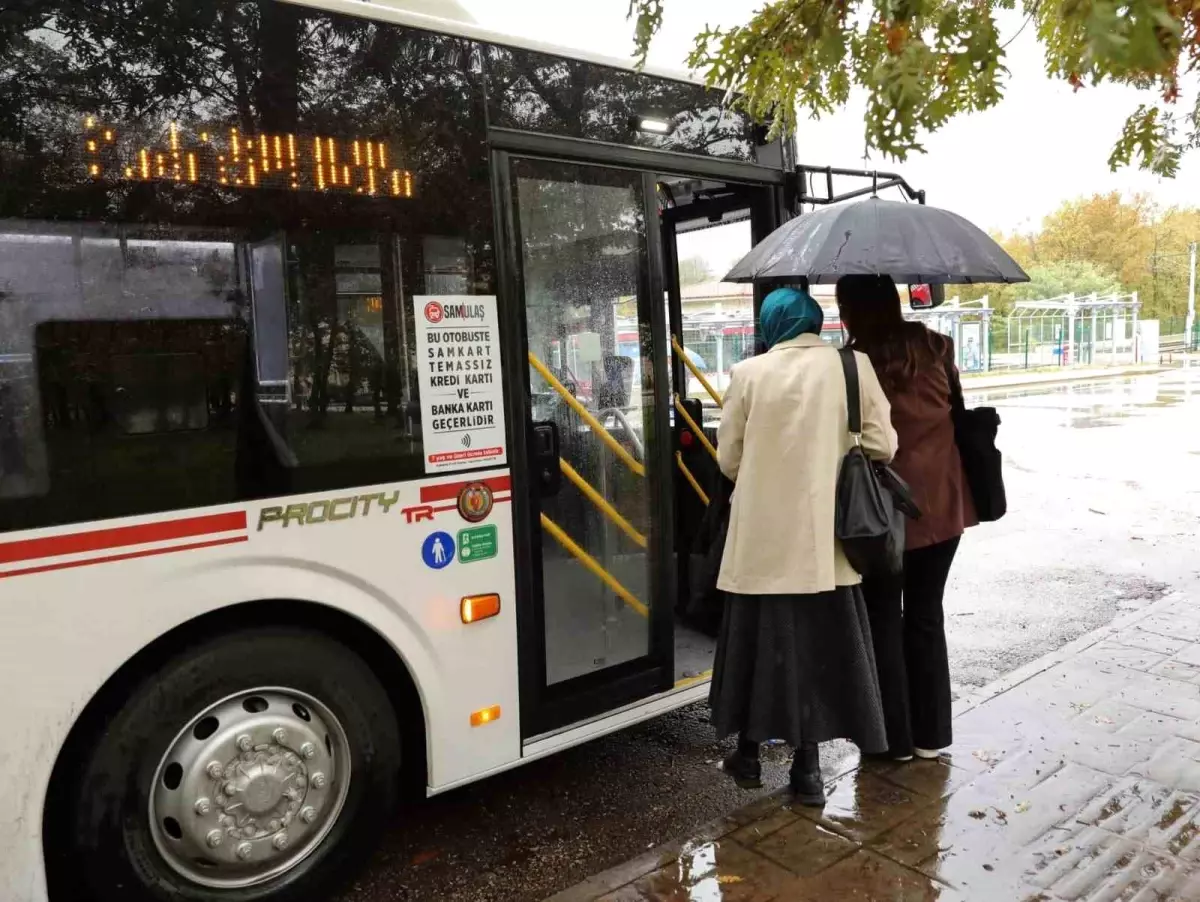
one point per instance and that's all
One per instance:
(912, 243)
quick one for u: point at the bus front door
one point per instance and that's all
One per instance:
(594, 580)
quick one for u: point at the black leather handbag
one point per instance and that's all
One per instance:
(975, 433)
(872, 501)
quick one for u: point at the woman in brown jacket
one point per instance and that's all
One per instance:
(915, 366)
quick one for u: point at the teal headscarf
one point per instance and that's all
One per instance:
(788, 312)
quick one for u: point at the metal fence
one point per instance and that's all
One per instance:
(1173, 334)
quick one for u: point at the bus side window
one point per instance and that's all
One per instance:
(143, 418)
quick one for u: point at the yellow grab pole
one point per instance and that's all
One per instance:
(695, 371)
(593, 565)
(597, 499)
(687, 474)
(603, 434)
(687, 418)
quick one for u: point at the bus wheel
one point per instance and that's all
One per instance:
(259, 767)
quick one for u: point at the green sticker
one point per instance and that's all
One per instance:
(479, 543)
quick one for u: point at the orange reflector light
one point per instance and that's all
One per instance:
(485, 715)
(479, 607)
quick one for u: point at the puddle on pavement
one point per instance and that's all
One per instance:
(1090, 405)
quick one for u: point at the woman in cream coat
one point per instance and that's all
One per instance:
(794, 657)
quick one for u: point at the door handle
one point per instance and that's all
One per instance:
(545, 444)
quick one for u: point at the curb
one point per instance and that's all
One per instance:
(996, 383)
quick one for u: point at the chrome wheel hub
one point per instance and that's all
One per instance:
(249, 788)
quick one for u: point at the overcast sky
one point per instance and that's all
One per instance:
(1003, 169)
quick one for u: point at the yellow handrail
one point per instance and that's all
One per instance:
(603, 434)
(597, 499)
(687, 418)
(687, 474)
(593, 565)
(695, 370)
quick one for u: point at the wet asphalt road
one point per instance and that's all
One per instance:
(1104, 499)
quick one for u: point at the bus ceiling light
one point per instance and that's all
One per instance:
(474, 608)
(652, 125)
(485, 716)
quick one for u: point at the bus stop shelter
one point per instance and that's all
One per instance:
(1060, 331)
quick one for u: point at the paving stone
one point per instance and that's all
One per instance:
(1118, 752)
(1093, 864)
(1107, 716)
(1139, 638)
(1144, 811)
(755, 832)
(806, 848)
(1173, 624)
(869, 877)
(1110, 653)
(1177, 670)
(1189, 655)
(932, 779)
(862, 805)
(724, 871)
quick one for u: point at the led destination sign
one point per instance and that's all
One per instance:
(230, 157)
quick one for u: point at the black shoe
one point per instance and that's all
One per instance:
(746, 772)
(806, 782)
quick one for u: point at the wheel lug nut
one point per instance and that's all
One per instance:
(203, 806)
(280, 841)
(308, 750)
(214, 838)
(280, 736)
(215, 770)
(244, 850)
(245, 743)
(317, 780)
(308, 814)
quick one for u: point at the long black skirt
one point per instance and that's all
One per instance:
(799, 668)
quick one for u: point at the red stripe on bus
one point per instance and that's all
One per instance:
(432, 493)
(120, 536)
(128, 556)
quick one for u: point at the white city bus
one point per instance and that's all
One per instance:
(319, 468)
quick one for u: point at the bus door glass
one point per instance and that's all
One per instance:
(594, 430)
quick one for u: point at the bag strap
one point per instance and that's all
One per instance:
(853, 401)
(956, 395)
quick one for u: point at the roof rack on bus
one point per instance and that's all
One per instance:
(880, 181)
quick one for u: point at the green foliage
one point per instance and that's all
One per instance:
(1102, 244)
(923, 62)
(1060, 277)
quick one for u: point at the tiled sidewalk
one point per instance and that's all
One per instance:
(1076, 778)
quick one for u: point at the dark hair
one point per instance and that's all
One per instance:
(870, 310)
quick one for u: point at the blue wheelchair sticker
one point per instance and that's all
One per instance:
(438, 550)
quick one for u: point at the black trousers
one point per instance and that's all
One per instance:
(908, 630)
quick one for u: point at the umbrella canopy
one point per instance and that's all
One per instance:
(912, 243)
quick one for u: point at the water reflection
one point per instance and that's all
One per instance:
(877, 838)
(1101, 403)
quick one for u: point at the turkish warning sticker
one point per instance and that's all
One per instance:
(458, 370)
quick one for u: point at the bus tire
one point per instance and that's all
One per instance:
(261, 766)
